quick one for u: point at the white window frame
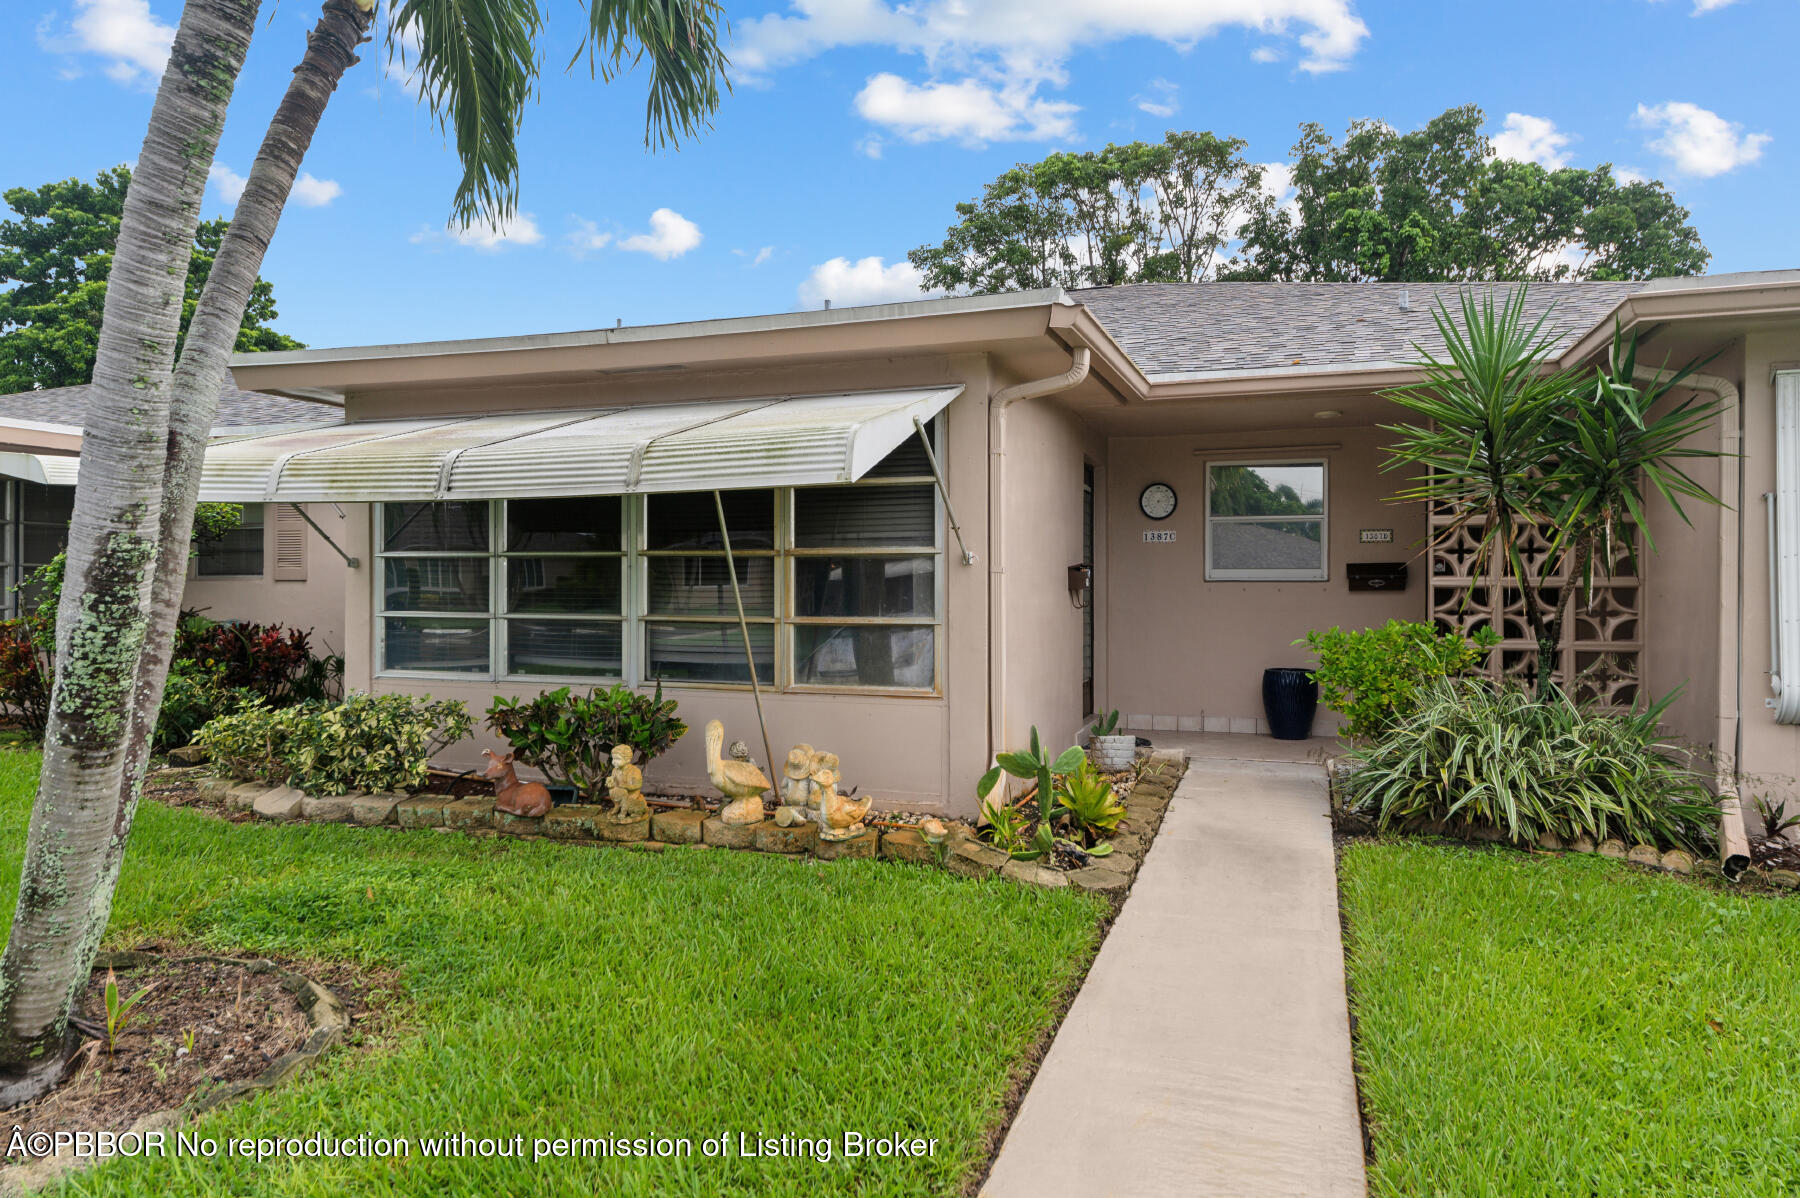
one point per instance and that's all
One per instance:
(634, 618)
(1221, 574)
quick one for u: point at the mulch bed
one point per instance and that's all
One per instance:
(1775, 852)
(202, 1024)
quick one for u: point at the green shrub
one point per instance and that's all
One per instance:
(1474, 753)
(372, 743)
(570, 737)
(193, 697)
(1086, 803)
(1373, 676)
(248, 743)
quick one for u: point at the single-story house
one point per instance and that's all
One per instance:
(268, 570)
(955, 519)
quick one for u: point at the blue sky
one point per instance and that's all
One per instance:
(855, 126)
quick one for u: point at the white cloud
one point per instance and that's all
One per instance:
(1532, 139)
(307, 191)
(1266, 54)
(124, 32)
(1162, 100)
(970, 111)
(1041, 31)
(1702, 7)
(315, 193)
(521, 229)
(1629, 174)
(865, 281)
(226, 182)
(586, 238)
(871, 146)
(1697, 141)
(671, 235)
(986, 60)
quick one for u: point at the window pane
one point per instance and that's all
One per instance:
(908, 458)
(1268, 490)
(41, 542)
(564, 647)
(239, 551)
(435, 583)
(41, 504)
(701, 586)
(455, 646)
(566, 584)
(1267, 545)
(864, 586)
(864, 655)
(688, 520)
(708, 652)
(845, 517)
(584, 525)
(458, 527)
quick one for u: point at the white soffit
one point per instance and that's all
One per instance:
(721, 444)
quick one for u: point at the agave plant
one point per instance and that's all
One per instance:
(1085, 801)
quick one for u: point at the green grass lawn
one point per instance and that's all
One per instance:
(1566, 1025)
(557, 990)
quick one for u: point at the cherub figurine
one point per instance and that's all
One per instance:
(625, 787)
(799, 793)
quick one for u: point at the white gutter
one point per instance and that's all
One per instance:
(1080, 359)
(1784, 552)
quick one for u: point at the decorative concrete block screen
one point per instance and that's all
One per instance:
(1602, 635)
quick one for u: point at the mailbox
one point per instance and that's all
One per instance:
(1376, 576)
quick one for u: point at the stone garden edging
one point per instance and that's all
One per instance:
(959, 853)
(325, 1013)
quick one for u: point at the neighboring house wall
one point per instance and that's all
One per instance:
(300, 584)
(1185, 654)
(911, 751)
(1771, 751)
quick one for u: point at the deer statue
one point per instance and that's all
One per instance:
(512, 796)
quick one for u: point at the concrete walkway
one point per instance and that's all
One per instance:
(1208, 1052)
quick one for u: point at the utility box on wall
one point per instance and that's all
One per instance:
(1376, 576)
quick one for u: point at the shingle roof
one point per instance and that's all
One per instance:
(1194, 328)
(237, 409)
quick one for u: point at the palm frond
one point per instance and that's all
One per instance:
(684, 43)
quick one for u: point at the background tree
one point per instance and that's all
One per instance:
(145, 435)
(1144, 211)
(1435, 204)
(1521, 452)
(54, 259)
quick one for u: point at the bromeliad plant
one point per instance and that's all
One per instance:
(1068, 791)
(1516, 449)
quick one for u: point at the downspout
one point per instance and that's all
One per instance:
(998, 403)
(1734, 846)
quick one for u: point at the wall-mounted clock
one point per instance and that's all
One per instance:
(1158, 501)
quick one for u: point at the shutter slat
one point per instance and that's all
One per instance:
(290, 545)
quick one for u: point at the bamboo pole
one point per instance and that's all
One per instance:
(744, 627)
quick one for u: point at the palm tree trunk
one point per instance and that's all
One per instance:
(113, 537)
(205, 356)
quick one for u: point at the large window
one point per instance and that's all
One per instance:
(840, 585)
(239, 551)
(1265, 520)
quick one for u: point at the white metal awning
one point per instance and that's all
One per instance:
(48, 468)
(776, 441)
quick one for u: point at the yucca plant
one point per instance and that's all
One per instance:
(1514, 447)
(1480, 754)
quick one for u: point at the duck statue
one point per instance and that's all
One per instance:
(740, 782)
